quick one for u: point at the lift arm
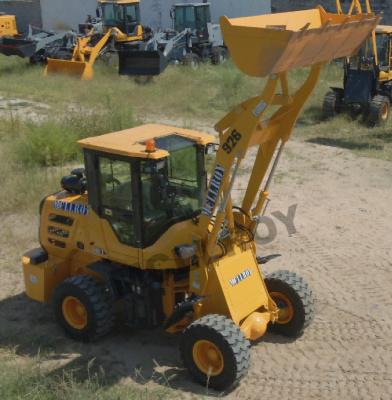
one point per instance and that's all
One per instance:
(275, 44)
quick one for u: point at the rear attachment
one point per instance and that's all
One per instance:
(18, 47)
(142, 62)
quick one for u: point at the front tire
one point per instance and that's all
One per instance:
(218, 55)
(83, 309)
(332, 105)
(294, 299)
(379, 111)
(192, 60)
(215, 352)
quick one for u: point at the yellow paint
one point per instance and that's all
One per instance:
(255, 325)
(74, 312)
(8, 25)
(293, 40)
(286, 309)
(208, 358)
(226, 275)
(40, 280)
(131, 142)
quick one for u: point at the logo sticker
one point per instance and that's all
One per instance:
(213, 191)
(73, 208)
(240, 277)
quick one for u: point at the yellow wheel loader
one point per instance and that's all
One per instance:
(140, 225)
(120, 20)
(367, 83)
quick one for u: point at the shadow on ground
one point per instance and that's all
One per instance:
(345, 144)
(144, 356)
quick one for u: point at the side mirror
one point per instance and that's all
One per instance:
(98, 12)
(211, 148)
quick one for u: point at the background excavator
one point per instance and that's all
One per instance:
(140, 225)
(193, 39)
(117, 22)
(367, 83)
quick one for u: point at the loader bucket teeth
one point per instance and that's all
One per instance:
(139, 63)
(275, 43)
(77, 69)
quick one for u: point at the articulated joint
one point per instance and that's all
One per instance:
(255, 326)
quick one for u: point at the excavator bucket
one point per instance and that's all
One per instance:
(275, 43)
(142, 62)
(82, 70)
(17, 47)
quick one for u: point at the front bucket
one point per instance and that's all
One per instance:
(274, 43)
(81, 70)
(141, 63)
(17, 47)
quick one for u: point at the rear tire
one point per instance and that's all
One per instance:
(215, 352)
(218, 55)
(294, 298)
(379, 111)
(332, 105)
(192, 60)
(83, 308)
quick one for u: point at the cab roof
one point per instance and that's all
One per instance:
(131, 142)
(119, 1)
(384, 29)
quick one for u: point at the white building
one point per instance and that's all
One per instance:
(66, 14)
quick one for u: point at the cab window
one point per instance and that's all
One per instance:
(115, 192)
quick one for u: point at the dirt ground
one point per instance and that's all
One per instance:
(342, 247)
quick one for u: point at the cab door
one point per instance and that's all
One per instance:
(115, 204)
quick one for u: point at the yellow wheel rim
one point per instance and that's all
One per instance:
(208, 358)
(74, 312)
(385, 112)
(286, 309)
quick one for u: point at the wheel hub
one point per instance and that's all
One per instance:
(208, 358)
(74, 312)
(286, 309)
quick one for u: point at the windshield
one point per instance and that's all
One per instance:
(119, 15)
(365, 57)
(172, 189)
(184, 18)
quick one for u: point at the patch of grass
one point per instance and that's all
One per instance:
(28, 380)
(53, 141)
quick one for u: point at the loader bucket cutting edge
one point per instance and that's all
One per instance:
(77, 69)
(141, 63)
(276, 43)
(17, 47)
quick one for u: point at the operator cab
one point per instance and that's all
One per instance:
(195, 16)
(122, 15)
(146, 179)
(363, 74)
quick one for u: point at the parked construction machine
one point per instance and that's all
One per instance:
(140, 226)
(37, 45)
(118, 23)
(193, 39)
(367, 83)
(7, 25)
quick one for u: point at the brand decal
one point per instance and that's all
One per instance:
(213, 191)
(240, 277)
(33, 279)
(73, 208)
